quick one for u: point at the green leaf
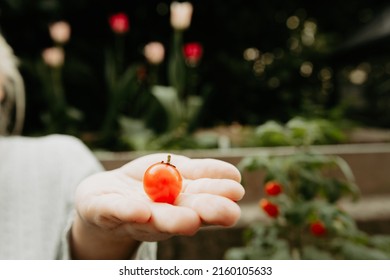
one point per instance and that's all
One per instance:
(236, 254)
(110, 71)
(311, 252)
(135, 133)
(333, 189)
(347, 171)
(297, 213)
(126, 83)
(253, 163)
(194, 104)
(380, 241)
(176, 64)
(330, 133)
(271, 133)
(307, 189)
(303, 132)
(353, 251)
(168, 98)
(263, 244)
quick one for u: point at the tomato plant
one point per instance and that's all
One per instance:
(162, 182)
(303, 218)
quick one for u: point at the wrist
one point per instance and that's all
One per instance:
(88, 241)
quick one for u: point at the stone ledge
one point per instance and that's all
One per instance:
(369, 163)
(238, 153)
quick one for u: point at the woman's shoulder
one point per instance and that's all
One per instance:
(62, 142)
(51, 148)
(54, 141)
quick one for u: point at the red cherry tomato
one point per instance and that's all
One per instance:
(317, 228)
(162, 182)
(273, 188)
(270, 208)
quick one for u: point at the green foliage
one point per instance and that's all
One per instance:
(179, 102)
(297, 132)
(121, 87)
(135, 134)
(310, 224)
(180, 112)
(271, 133)
(291, 70)
(58, 116)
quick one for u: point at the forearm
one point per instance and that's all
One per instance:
(87, 242)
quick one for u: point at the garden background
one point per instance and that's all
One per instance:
(261, 61)
(309, 79)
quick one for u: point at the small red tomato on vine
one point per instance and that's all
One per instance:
(273, 188)
(317, 228)
(162, 182)
(270, 208)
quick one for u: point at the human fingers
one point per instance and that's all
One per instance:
(145, 232)
(109, 196)
(112, 209)
(166, 220)
(174, 219)
(223, 187)
(209, 168)
(189, 168)
(137, 167)
(212, 209)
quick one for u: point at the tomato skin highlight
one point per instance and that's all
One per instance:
(162, 182)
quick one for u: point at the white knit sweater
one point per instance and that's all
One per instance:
(38, 177)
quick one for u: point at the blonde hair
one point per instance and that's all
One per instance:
(12, 102)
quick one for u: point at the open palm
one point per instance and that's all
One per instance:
(115, 201)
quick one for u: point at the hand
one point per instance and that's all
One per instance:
(113, 205)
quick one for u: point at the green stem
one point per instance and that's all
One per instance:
(296, 243)
(114, 68)
(177, 68)
(119, 55)
(58, 112)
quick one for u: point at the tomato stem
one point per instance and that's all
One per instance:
(169, 159)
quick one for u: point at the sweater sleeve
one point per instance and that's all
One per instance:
(82, 163)
(77, 162)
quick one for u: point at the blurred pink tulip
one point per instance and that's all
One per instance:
(53, 57)
(60, 32)
(181, 14)
(154, 52)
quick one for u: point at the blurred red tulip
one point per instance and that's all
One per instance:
(193, 53)
(119, 23)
